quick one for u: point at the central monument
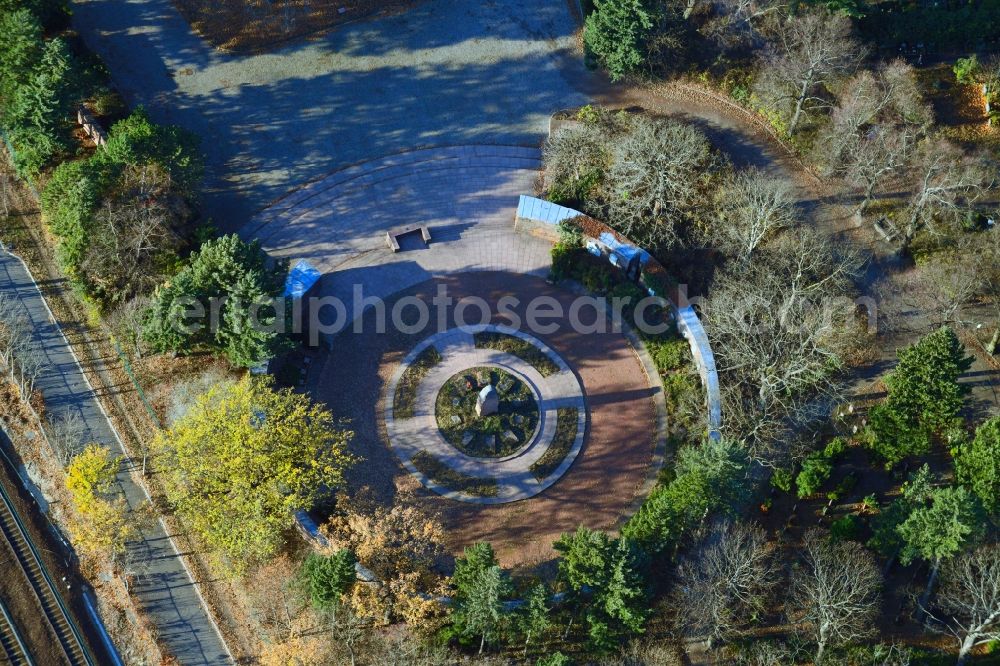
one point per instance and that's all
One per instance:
(488, 402)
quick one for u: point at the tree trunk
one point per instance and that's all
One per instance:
(966, 649)
(819, 651)
(798, 104)
(991, 346)
(926, 596)
(482, 643)
(869, 193)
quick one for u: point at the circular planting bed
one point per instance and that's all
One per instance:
(495, 435)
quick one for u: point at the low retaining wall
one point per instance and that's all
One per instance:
(541, 218)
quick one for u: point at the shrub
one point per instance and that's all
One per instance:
(569, 234)
(668, 353)
(782, 479)
(966, 70)
(137, 140)
(847, 528)
(816, 469)
(440, 473)
(526, 351)
(835, 447)
(562, 443)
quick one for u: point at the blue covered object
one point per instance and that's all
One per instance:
(301, 279)
(628, 258)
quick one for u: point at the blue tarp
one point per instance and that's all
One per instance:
(301, 279)
(627, 252)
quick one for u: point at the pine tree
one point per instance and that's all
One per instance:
(924, 397)
(977, 464)
(226, 276)
(20, 50)
(481, 589)
(938, 530)
(605, 583)
(326, 578)
(616, 32)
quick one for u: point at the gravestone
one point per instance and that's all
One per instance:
(488, 401)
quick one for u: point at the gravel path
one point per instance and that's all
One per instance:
(442, 73)
(165, 590)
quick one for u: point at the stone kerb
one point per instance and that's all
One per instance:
(542, 218)
(513, 473)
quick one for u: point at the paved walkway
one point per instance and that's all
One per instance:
(515, 480)
(443, 72)
(165, 590)
(466, 195)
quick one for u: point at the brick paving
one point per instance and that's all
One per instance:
(623, 441)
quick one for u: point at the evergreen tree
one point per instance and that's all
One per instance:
(481, 588)
(616, 32)
(924, 397)
(605, 583)
(977, 464)
(925, 384)
(710, 477)
(938, 529)
(533, 617)
(226, 276)
(20, 50)
(326, 578)
(41, 112)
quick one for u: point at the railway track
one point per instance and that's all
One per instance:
(15, 652)
(52, 605)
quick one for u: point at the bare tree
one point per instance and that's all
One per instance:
(572, 154)
(20, 354)
(68, 433)
(134, 235)
(725, 581)
(780, 328)
(970, 598)
(949, 183)
(874, 130)
(834, 591)
(812, 51)
(947, 286)
(126, 324)
(658, 170)
(736, 23)
(751, 206)
(989, 255)
(5, 193)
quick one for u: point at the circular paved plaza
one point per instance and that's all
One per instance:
(466, 196)
(513, 477)
(598, 484)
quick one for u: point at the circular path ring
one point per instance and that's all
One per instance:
(513, 474)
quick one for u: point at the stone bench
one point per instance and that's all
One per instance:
(392, 236)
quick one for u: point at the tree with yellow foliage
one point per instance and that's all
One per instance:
(243, 459)
(101, 525)
(401, 545)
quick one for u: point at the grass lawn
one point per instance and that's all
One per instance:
(561, 444)
(252, 26)
(406, 390)
(511, 344)
(441, 474)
